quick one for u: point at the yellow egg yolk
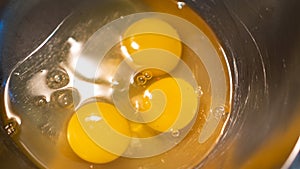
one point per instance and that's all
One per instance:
(174, 104)
(152, 43)
(96, 124)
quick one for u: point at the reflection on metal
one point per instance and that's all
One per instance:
(293, 155)
(180, 5)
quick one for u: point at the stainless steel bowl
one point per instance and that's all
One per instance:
(262, 42)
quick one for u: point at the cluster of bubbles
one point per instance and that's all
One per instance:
(143, 78)
(57, 79)
(11, 127)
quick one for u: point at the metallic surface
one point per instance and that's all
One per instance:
(262, 42)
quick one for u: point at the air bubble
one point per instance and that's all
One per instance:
(199, 91)
(218, 112)
(141, 80)
(57, 79)
(11, 128)
(175, 133)
(64, 98)
(147, 74)
(40, 101)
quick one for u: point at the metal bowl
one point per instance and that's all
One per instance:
(262, 42)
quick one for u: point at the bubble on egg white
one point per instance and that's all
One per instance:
(147, 75)
(218, 112)
(175, 132)
(57, 79)
(40, 101)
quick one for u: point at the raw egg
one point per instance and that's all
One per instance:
(174, 104)
(140, 130)
(152, 43)
(97, 132)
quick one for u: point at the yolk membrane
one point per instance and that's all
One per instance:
(153, 43)
(179, 100)
(100, 120)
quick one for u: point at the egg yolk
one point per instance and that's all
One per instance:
(179, 100)
(95, 124)
(153, 43)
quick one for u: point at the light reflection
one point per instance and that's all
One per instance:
(38, 87)
(93, 118)
(292, 155)
(125, 53)
(86, 67)
(180, 5)
(75, 50)
(46, 40)
(111, 80)
(147, 94)
(132, 79)
(137, 105)
(135, 46)
(9, 113)
(103, 91)
(75, 46)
